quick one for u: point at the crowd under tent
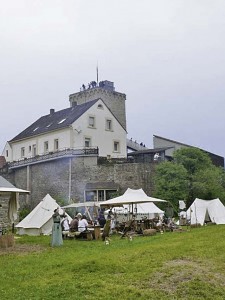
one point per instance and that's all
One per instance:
(132, 198)
(39, 220)
(141, 211)
(203, 211)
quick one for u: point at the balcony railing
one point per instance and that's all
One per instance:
(69, 152)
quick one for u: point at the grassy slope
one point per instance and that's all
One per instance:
(187, 265)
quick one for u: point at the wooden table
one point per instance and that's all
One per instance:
(96, 230)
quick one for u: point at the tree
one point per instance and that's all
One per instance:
(191, 175)
(171, 182)
(194, 161)
(209, 184)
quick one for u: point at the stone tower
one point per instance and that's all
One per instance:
(106, 91)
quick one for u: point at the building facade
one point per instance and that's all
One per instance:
(170, 146)
(105, 90)
(90, 125)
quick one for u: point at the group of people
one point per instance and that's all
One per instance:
(79, 224)
(61, 224)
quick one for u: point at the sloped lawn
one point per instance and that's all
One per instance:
(179, 265)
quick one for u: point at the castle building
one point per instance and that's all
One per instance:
(105, 90)
(95, 123)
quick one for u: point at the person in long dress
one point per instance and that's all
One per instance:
(57, 239)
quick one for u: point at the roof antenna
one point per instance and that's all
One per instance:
(97, 72)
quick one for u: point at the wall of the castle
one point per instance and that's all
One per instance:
(66, 178)
(114, 100)
(4, 201)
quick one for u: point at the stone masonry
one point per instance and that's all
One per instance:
(66, 178)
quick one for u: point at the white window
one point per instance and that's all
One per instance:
(56, 144)
(7, 153)
(87, 142)
(91, 122)
(108, 124)
(22, 152)
(45, 147)
(34, 150)
(116, 146)
(29, 148)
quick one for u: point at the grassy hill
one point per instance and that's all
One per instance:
(175, 265)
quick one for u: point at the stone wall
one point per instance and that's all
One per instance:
(4, 201)
(66, 178)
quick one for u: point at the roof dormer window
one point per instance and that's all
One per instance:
(60, 122)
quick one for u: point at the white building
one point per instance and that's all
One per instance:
(85, 126)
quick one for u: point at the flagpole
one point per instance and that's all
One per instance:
(97, 73)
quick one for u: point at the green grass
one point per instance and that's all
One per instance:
(186, 265)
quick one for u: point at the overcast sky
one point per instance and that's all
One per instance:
(167, 56)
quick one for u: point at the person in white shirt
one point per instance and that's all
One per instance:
(65, 224)
(83, 224)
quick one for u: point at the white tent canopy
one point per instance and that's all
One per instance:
(82, 204)
(130, 197)
(6, 188)
(206, 210)
(39, 221)
(148, 208)
(142, 210)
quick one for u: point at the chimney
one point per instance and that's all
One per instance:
(74, 103)
(52, 111)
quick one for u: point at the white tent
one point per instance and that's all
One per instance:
(39, 221)
(6, 188)
(141, 210)
(149, 208)
(206, 210)
(130, 197)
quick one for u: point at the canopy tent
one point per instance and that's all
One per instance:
(89, 206)
(149, 210)
(39, 221)
(202, 211)
(82, 204)
(6, 188)
(130, 197)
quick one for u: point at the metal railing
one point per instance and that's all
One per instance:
(68, 152)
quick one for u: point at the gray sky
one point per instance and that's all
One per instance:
(167, 56)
